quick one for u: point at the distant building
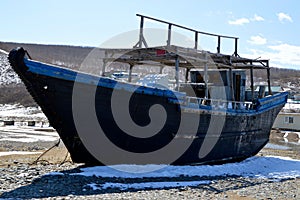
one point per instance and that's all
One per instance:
(288, 121)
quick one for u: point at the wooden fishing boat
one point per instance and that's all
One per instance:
(209, 117)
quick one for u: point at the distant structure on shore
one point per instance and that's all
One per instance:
(289, 117)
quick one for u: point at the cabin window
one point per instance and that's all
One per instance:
(289, 120)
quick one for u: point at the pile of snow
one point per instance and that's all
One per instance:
(27, 134)
(17, 111)
(7, 74)
(271, 167)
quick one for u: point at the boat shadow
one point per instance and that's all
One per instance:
(69, 184)
(46, 187)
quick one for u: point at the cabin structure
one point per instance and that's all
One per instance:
(206, 72)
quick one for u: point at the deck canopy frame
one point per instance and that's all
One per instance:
(189, 58)
(197, 34)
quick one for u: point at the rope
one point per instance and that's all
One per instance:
(55, 145)
(64, 160)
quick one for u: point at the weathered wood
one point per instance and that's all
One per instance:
(268, 78)
(169, 35)
(252, 84)
(231, 85)
(130, 73)
(177, 72)
(141, 39)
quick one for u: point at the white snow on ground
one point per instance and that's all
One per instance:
(293, 132)
(7, 74)
(276, 146)
(20, 132)
(271, 167)
(19, 111)
(259, 167)
(3, 52)
(291, 105)
(152, 185)
(55, 174)
(7, 153)
(27, 134)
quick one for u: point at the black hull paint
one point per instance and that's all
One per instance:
(242, 136)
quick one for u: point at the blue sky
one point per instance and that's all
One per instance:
(266, 28)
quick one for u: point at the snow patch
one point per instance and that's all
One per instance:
(26, 134)
(3, 52)
(19, 111)
(7, 75)
(276, 146)
(8, 153)
(256, 167)
(55, 174)
(146, 185)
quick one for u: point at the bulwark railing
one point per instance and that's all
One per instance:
(218, 103)
(142, 39)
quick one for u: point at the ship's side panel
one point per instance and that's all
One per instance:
(220, 137)
(241, 136)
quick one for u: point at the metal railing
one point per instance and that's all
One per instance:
(196, 33)
(219, 103)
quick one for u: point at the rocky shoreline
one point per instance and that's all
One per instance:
(24, 180)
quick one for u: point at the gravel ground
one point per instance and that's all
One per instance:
(28, 182)
(20, 179)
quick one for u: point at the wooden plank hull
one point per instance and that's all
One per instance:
(240, 134)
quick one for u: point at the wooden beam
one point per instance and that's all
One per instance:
(177, 72)
(252, 84)
(130, 73)
(269, 80)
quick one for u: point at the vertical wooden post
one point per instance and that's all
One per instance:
(177, 72)
(219, 44)
(196, 40)
(187, 74)
(252, 82)
(169, 35)
(235, 47)
(141, 32)
(104, 63)
(231, 84)
(269, 82)
(130, 72)
(161, 69)
(103, 68)
(206, 77)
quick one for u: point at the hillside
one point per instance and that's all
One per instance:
(68, 56)
(13, 90)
